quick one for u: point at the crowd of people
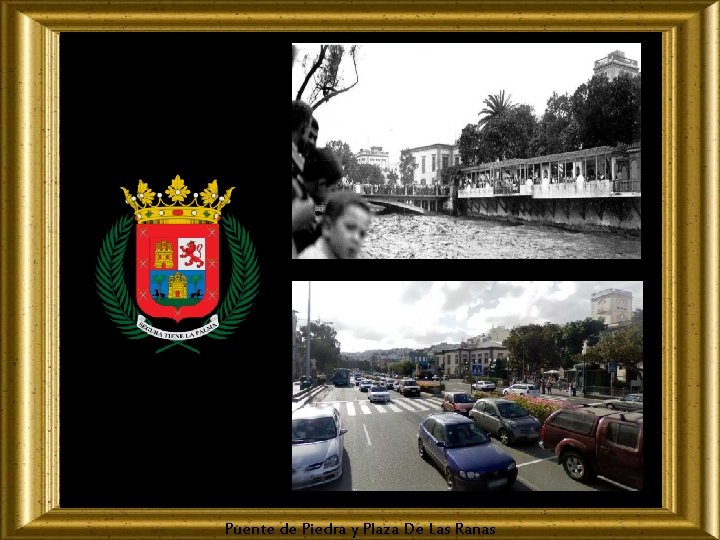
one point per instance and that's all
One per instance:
(340, 231)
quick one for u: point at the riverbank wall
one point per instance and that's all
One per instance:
(611, 214)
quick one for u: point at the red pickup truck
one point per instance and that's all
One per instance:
(590, 441)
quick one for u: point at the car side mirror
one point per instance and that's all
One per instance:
(441, 444)
(343, 431)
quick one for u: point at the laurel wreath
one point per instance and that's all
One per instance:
(113, 292)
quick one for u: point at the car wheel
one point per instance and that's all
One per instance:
(504, 437)
(450, 480)
(421, 450)
(610, 406)
(576, 467)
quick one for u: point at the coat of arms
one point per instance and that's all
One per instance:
(177, 265)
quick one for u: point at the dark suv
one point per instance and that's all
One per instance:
(592, 441)
(408, 387)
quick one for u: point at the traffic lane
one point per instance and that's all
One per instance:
(539, 470)
(383, 449)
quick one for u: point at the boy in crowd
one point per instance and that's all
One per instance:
(322, 173)
(345, 224)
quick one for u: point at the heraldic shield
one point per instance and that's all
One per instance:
(177, 269)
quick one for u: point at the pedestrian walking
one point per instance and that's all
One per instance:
(542, 386)
(548, 386)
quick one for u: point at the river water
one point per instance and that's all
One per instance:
(438, 236)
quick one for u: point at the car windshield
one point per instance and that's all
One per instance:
(465, 434)
(463, 398)
(313, 429)
(377, 389)
(511, 410)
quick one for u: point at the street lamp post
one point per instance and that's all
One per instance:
(584, 350)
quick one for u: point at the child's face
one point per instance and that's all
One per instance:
(347, 234)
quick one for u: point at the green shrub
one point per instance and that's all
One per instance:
(538, 407)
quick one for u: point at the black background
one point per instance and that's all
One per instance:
(177, 429)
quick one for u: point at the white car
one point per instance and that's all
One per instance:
(484, 385)
(378, 393)
(317, 446)
(365, 385)
(522, 389)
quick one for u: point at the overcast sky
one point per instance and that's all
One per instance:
(417, 314)
(419, 94)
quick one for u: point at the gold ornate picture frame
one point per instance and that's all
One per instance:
(29, 286)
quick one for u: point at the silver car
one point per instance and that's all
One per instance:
(630, 402)
(317, 446)
(378, 393)
(505, 419)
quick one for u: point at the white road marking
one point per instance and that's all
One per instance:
(365, 409)
(350, 409)
(394, 407)
(380, 408)
(536, 461)
(404, 405)
(418, 405)
(336, 405)
(367, 435)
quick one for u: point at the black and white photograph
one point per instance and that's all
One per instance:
(471, 385)
(467, 150)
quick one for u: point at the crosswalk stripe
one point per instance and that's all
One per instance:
(380, 408)
(404, 405)
(394, 407)
(365, 409)
(350, 409)
(418, 405)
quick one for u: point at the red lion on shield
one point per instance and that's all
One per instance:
(189, 251)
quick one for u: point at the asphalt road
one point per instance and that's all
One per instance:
(381, 449)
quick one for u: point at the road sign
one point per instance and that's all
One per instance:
(612, 367)
(476, 369)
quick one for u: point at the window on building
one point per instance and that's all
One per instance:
(423, 165)
(433, 162)
(457, 162)
(444, 166)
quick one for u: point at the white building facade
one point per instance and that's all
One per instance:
(430, 160)
(612, 305)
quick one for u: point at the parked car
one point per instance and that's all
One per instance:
(396, 385)
(457, 402)
(389, 383)
(592, 441)
(464, 453)
(630, 402)
(365, 385)
(435, 378)
(317, 446)
(484, 386)
(378, 393)
(505, 419)
(522, 389)
(409, 387)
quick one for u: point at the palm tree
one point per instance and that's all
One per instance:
(159, 279)
(495, 105)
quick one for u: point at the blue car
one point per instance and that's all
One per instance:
(464, 454)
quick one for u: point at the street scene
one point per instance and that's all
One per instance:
(395, 160)
(556, 406)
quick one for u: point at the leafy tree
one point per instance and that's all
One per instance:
(623, 345)
(393, 177)
(558, 129)
(469, 144)
(508, 134)
(407, 167)
(451, 175)
(608, 112)
(324, 347)
(495, 105)
(574, 334)
(406, 368)
(368, 173)
(347, 157)
(324, 77)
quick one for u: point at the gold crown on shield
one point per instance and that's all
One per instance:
(148, 210)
